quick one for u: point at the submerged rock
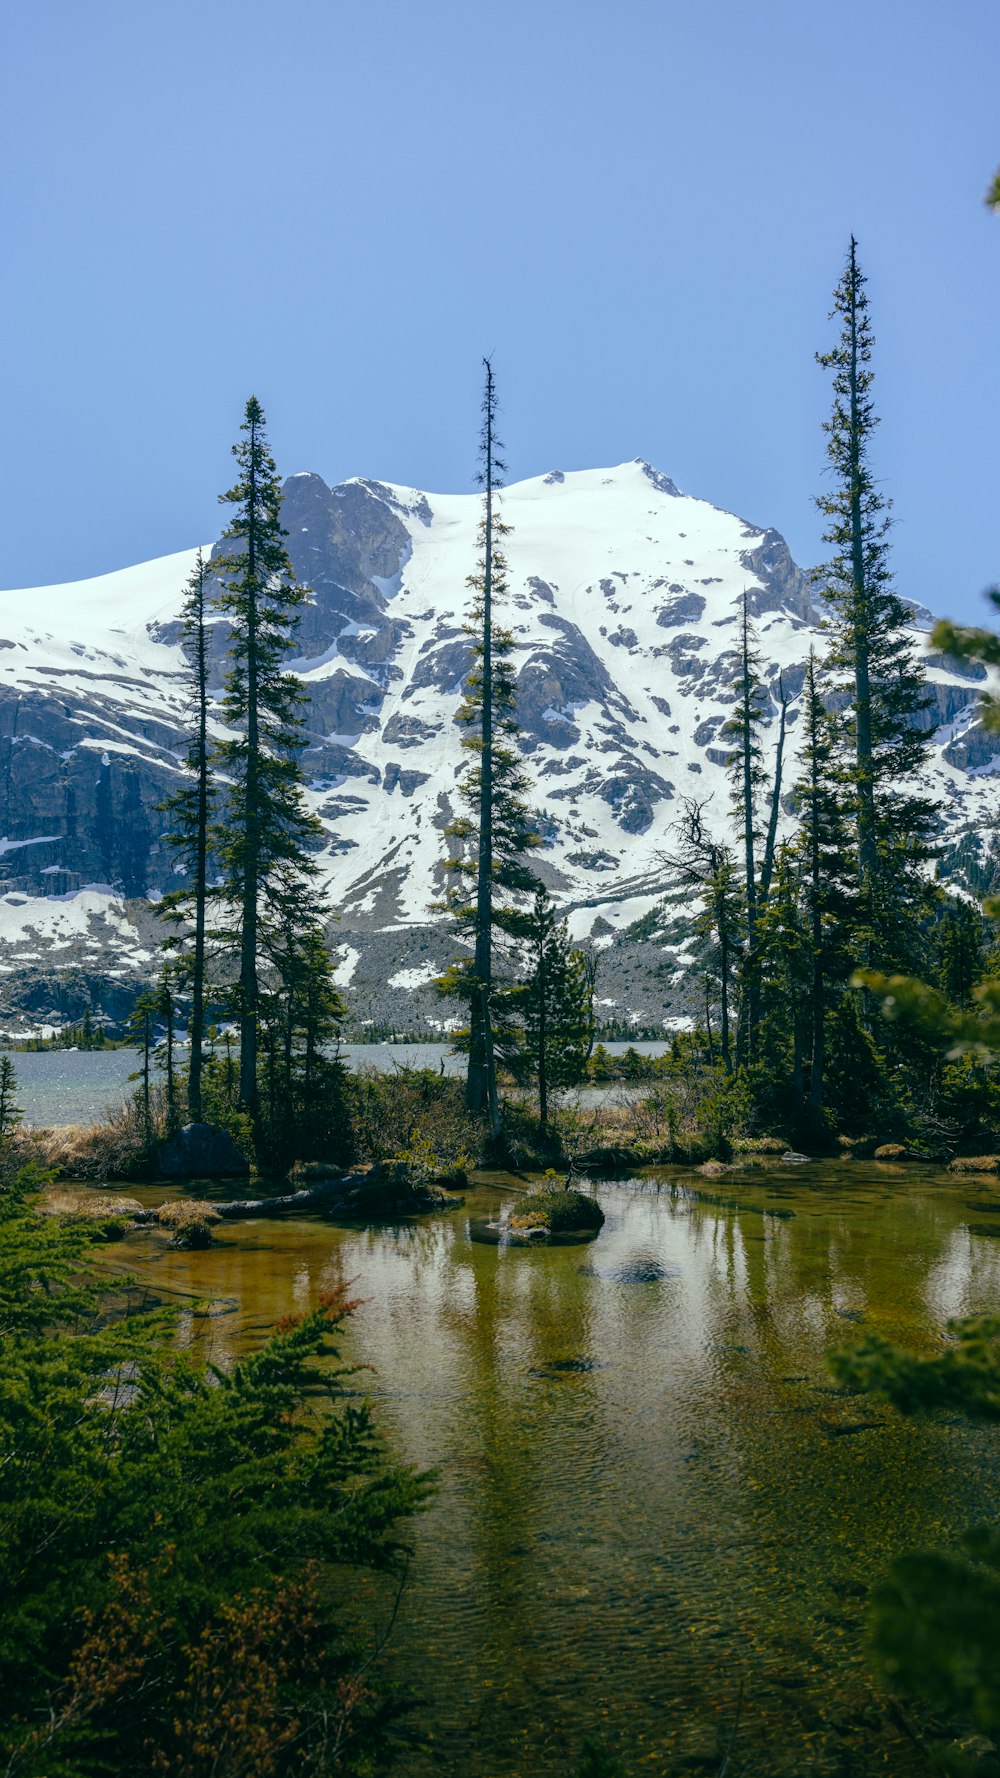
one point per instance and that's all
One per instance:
(201, 1151)
(388, 1189)
(636, 1271)
(566, 1367)
(554, 1211)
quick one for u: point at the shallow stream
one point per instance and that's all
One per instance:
(655, 1512)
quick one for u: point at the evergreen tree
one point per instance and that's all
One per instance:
(191, 809)
(556, 1004)
(962, 951)
(786, 1026)
(967, 1022)
(746, 767)
(489, 874)
(708, 866)
(823, 846)
(746, 773)
(166, 1006)
(771, 839)
(301, 1018)
(10, 1113)
(266, 831)
(871, 655)
(180, 1547)
(141, 1029)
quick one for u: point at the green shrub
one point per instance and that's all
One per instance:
(936, 1613)
(392, 1113)
(176, 1541)
(560, 1210)
(968, 1100)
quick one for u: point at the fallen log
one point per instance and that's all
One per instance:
(389, 1182)
(313, 1197)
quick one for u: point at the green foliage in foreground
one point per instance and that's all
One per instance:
(923, 1009)
(936, 1633)
(936, 1615)
(964, 1378)
(174, 1538)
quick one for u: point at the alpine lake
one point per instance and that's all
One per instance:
(657, 1518)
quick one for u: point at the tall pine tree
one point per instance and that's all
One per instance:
(266, 832)
(824, 852)
(556, 1004)
(191, 809)
(708, 866)
(746, 775)
(872, 656)
(301, 1014)
(490, 876)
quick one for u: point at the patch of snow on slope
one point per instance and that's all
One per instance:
(416, 977)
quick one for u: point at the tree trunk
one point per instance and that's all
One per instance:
(797, 1081)
(818, 1058)
(749, 863)
(767, 866)
(543, 1095)
(249, 994)
(727, 1058)
(862, 686)
(196, 1032)
(168, 1012)
(146, 1046)
(480, 1087)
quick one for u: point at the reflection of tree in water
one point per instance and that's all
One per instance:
(637, 1538)
(493, 1464)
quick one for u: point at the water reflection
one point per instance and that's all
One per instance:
(650, 1493)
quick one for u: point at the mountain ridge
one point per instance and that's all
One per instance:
(624, 599)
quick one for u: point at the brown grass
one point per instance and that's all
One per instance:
(99, 1205)
(180, 1211)
(115, 1149)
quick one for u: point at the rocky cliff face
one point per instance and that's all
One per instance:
(624, 603)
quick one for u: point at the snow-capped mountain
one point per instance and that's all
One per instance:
(624, 603)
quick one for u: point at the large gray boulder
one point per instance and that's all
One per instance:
(201, 1151)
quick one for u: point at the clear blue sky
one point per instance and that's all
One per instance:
(640, 207)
